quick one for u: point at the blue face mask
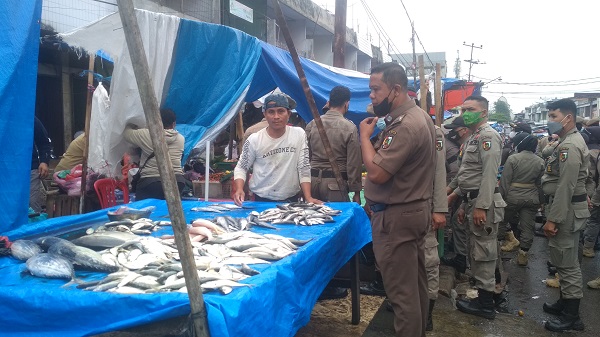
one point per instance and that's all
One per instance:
(381, 124)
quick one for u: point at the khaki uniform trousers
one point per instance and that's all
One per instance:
(564, 250)
(460, 235)
(432, 264)
(484, 243)
(399, 247)
(327, 189)
(522, 212)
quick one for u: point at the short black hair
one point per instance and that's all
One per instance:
(168, 117)
(338, 96)
(393, 74)
(479, 99)
(565, 105)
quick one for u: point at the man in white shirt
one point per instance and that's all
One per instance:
(278, 157)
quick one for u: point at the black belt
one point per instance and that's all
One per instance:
(326, 174)
(473, 194)
(378, 207)
(575, 198)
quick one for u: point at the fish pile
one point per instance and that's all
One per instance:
(151, 265)
(298, 213)
(142, 226)
(216, 208)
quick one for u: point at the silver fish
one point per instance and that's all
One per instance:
(82, 257)
(50, 266)
(24, 249)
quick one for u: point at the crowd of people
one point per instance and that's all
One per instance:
(418, 178)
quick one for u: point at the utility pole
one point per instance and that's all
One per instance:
(471, 61)
(457, 65)
(414, 65)
(339, 36)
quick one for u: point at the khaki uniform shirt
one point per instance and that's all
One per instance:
(452, 159)
(590, 183)
(73, 155)
(565, 174)
(440, 200)
(595, 198)
(406, 150)
(522, 177)
(343, 137)
(254, 129)
(479, 167)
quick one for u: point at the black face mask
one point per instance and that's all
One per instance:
(453, 136)
(384, 107)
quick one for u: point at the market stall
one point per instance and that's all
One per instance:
(277, 303)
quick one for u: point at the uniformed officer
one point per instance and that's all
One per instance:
(457, 136)
(399, 187)
(477, 178)
(440, 208)
(520, 186)
(593, 191)
(343, 137)
(567, 211)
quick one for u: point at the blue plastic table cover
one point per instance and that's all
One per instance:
(278, 303)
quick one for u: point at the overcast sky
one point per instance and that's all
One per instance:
(525, 41)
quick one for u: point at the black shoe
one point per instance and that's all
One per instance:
(551, 268)
(501, 302)
(332, 293)
(568, 319)
(482, 306)
(429, 326)
(374, 288)
(554, 308)
(459, 262)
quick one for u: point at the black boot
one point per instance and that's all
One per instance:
(459, 262)
(568, 319)
(375, 288)
(429, 326)
(555, 308)
(482, 306)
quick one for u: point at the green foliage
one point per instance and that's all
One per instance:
(500, 112)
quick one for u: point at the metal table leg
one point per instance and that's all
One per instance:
(355, 289)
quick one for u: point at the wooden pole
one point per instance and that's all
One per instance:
(165, 168)
(439, 109)
(423, 97)
(86, 142)
(339, 35)
(309, 97)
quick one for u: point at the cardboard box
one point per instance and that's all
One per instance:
(214, 189)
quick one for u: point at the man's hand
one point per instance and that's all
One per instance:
(43, 170)
(550, 229)
(460, 215)
(452, 197)
(356, 197)
(367, 126)
(449, 190)
(590, 206)
(438, 220)
(479, 217)
(238, 196)
(314, 201)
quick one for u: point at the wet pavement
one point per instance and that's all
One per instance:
(527, 292)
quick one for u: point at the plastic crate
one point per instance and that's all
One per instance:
(214, 189)
(227, 188)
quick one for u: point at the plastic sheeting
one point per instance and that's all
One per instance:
(278, 303)
(19, 47)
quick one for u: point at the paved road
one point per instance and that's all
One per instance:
(527, 292)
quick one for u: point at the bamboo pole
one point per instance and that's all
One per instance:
(309, 97)
(439, 109)
(423, 97)
(165, 168)
(86, 137)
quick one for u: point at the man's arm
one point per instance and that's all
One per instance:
(440, 201)
(506, 178)
(570, 161)
(490, 149)
(240, 172)
(375, 173)
(354, 162)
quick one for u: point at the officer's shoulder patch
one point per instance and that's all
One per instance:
(392, 132)
(564, 154)
(486, 145)
(387, 141)
(439, 145)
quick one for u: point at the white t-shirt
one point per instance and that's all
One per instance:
(278, 165)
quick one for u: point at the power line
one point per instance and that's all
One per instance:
(544, 82)
(416, 34)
